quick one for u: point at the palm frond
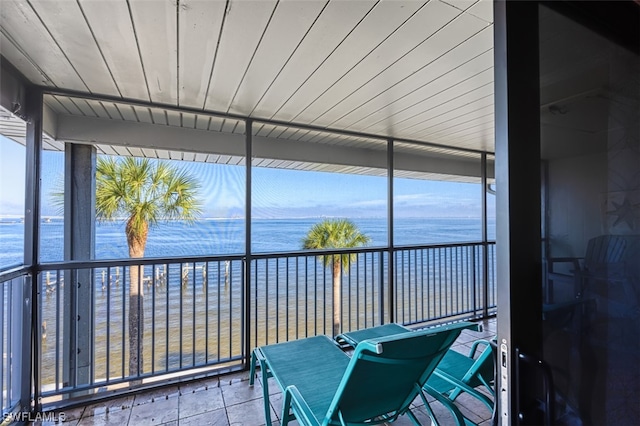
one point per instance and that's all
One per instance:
(335, 234)
(144, 192)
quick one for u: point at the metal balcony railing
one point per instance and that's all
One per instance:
(12, 287)
(441, 282)
(202, 315)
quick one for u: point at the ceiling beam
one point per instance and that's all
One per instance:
(80, 129)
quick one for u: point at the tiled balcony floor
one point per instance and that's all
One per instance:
(229, 400)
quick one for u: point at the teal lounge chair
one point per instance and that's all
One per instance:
(456, 373)
(324, 386)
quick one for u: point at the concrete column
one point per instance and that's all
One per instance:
(79, 244)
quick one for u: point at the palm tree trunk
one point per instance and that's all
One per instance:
(136, 320)
(337, 284)
(137, 243)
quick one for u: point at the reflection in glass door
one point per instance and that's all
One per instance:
(590, 150)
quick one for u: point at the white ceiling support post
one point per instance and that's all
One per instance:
(390, 243)
(29, 306)
(246, 330)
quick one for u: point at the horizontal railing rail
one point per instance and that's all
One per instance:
(120, 324)
(83, 264)
(13, 272)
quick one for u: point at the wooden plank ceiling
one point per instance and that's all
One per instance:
(407, 69)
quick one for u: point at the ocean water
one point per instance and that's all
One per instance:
(226, 236)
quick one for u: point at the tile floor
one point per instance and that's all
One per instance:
(230, 401)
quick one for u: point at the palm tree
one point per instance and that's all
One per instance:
(142, 192)
(335, 234)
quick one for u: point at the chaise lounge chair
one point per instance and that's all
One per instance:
(324, 386)
(456, 373)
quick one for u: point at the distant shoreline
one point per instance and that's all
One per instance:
(227, 236)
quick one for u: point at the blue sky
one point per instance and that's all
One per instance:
(12, 172)
(276, 193)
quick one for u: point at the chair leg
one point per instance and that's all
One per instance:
(286, 408)
(432, 415)
(413, 418)
(455, 412)
(252, 369)
(265, 392)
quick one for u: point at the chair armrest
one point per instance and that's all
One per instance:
(471, 391)
(293, 400)
(474, 347)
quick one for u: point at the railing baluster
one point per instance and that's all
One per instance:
(3, 389)
(92, 321)
(153, 319)
(218, 309)
(381, 287)
(453, 280)
(324, 300)
(193, 323)
(9, 339)
(349, 319)
(447, 281)
(230, 308)
(167, 299)
(406, 288)
(297, 299)
(205, 286)
(266, 298)
(412, 269)
(255, 316)
(437, 281)
(306, 296)
(450, 282)
(474, 281)
(431, 282)
(124, 289)
(315, 295)
(57, 316)
(422, 283)
(181, 314)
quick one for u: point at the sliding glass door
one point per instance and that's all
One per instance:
(568, 212)
(590, 152)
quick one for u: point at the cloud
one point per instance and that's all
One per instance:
(369, 203)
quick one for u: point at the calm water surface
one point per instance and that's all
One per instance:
(219, 237)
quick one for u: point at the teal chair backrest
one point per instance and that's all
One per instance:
(386, 374)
